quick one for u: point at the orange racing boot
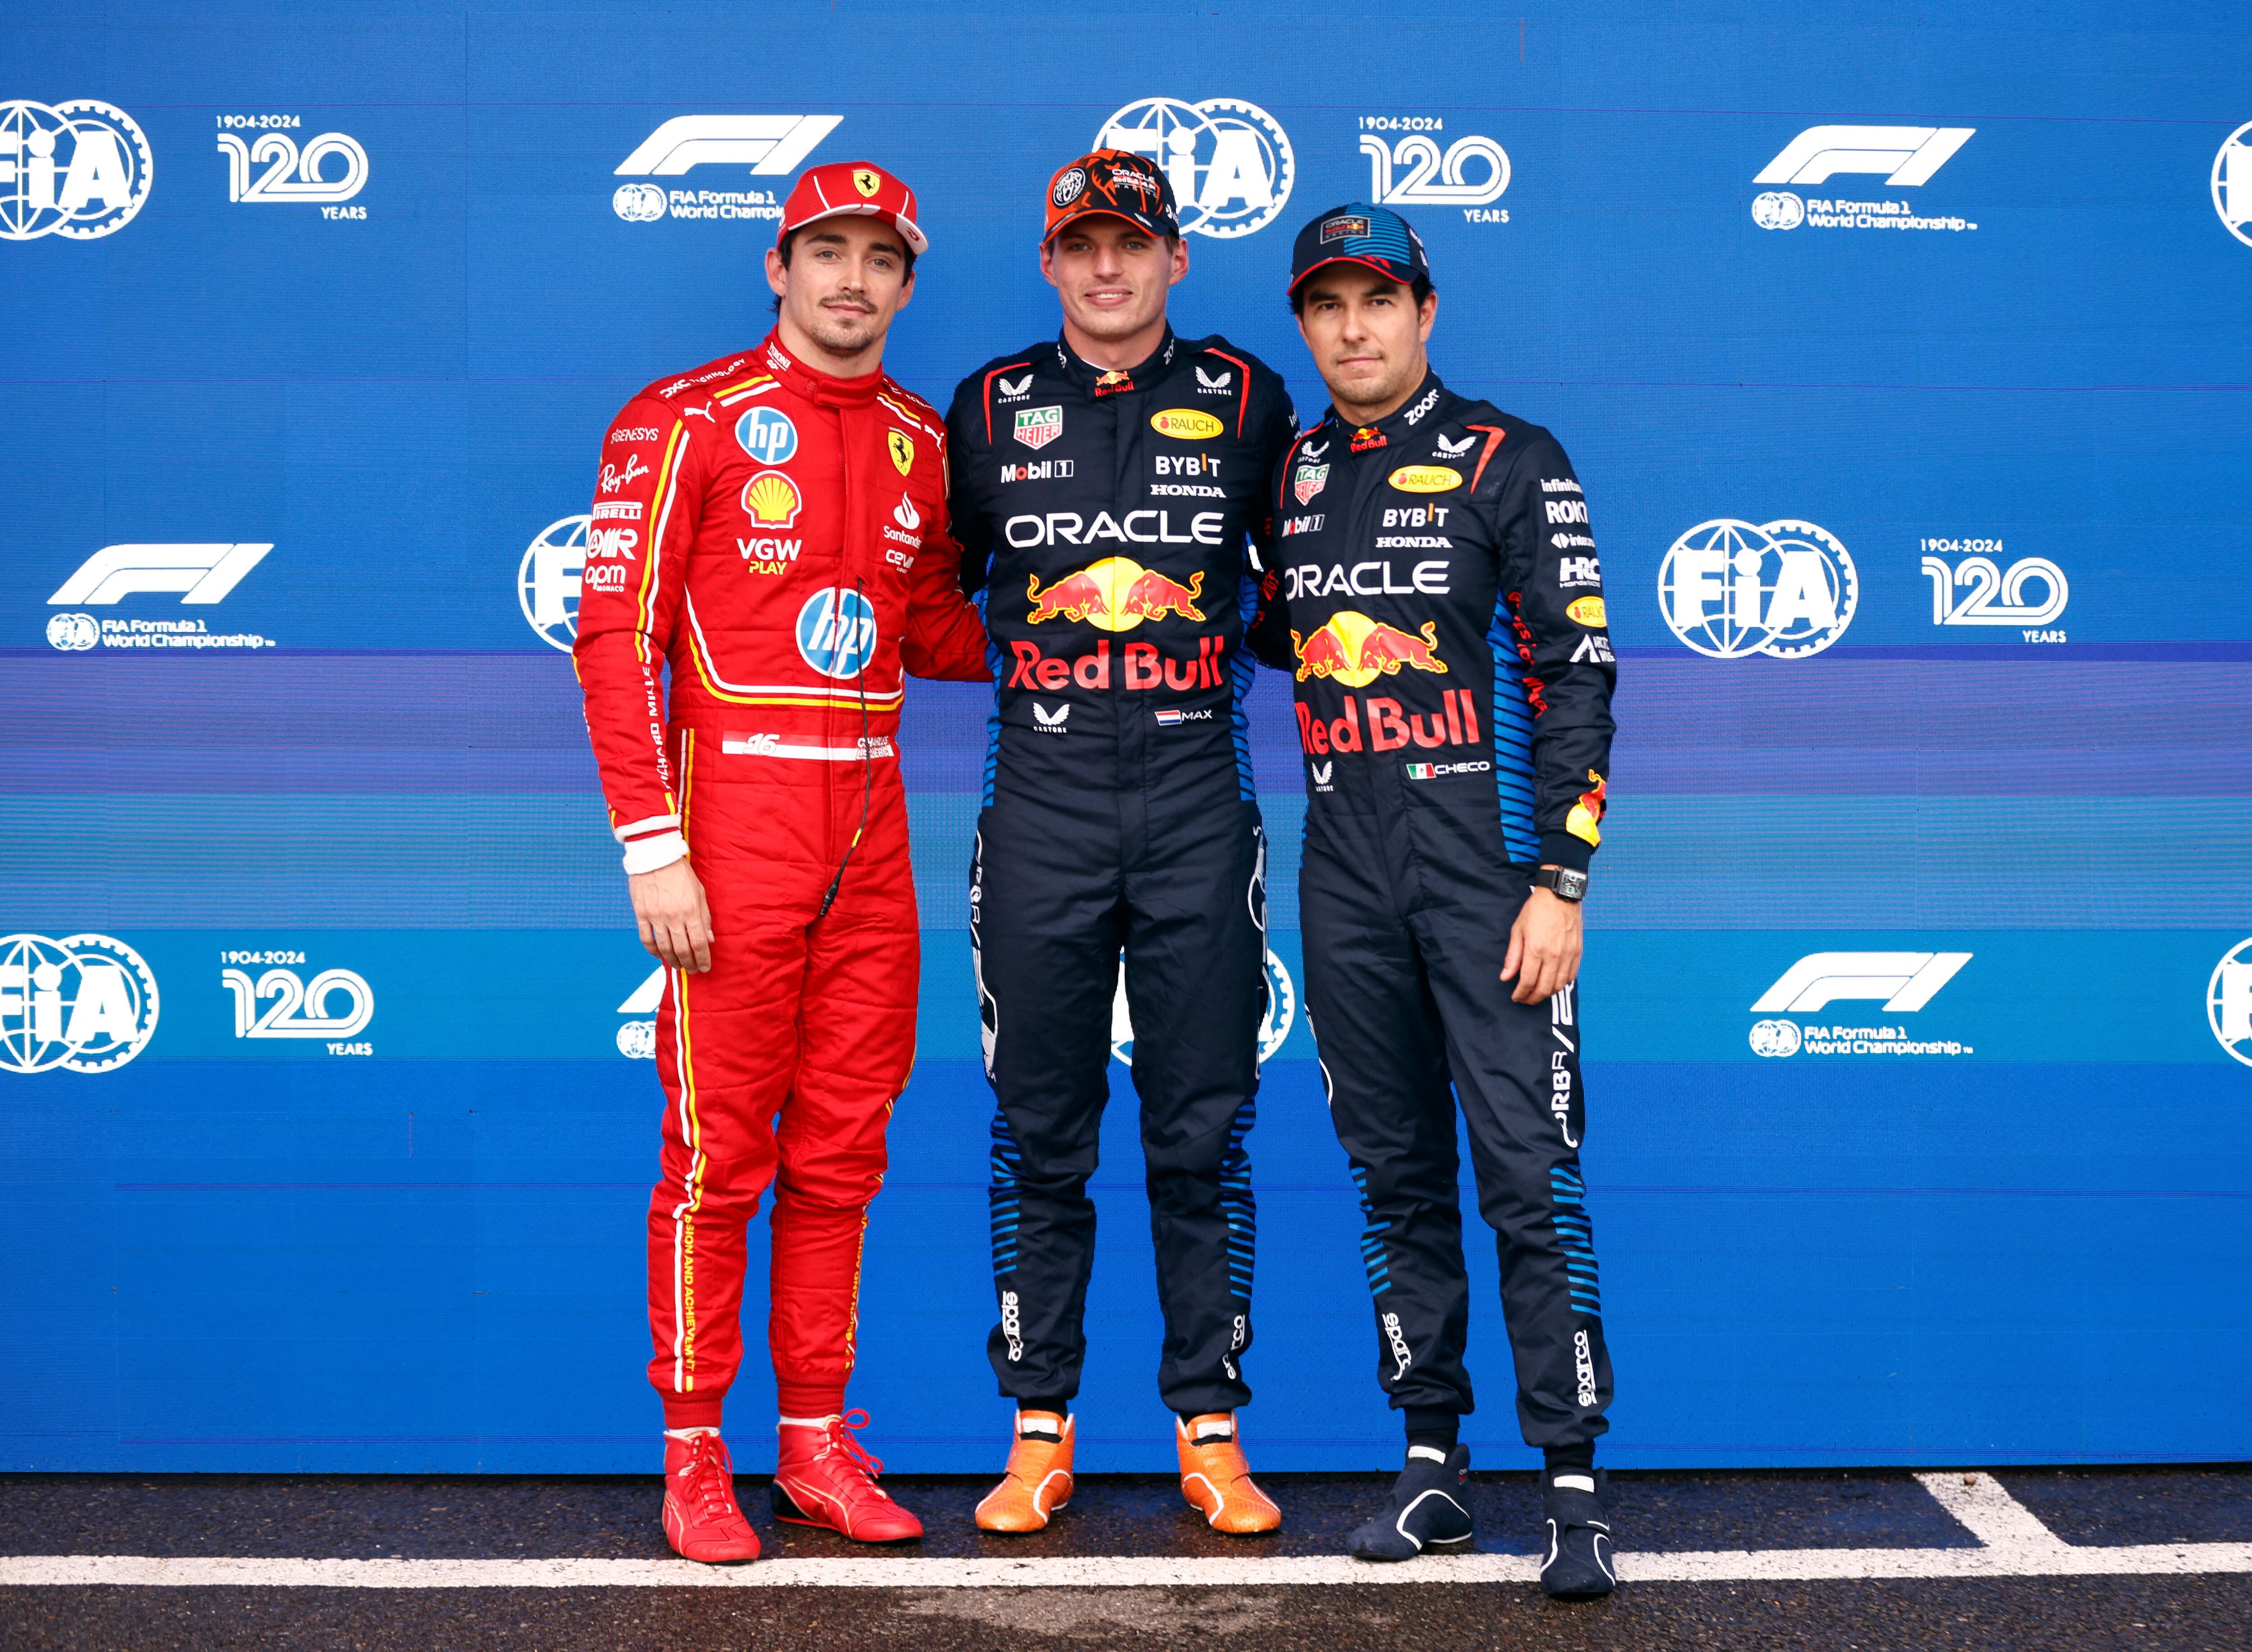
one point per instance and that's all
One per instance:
(1038, 1480)
(702, 1520)
(823, 1477)
(1217, 1481)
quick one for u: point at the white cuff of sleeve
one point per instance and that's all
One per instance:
(647, 854)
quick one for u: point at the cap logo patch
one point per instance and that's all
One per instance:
(1070, 186)
(867, 181)
(1340, 229)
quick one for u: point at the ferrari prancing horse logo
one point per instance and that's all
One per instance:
(867, 182)
(903, 446)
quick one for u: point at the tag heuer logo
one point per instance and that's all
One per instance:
(1037, 426)
(1308, 481)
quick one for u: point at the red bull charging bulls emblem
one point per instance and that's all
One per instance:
(1356, 649)
(1115, 594)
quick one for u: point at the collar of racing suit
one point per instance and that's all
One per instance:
(1399, 425)
(824, 389)
(1084, 374)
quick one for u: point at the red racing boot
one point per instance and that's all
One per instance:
(825, 1478)
(1217, 1481)
(702, 1520)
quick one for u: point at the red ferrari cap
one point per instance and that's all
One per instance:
(1114, 181)
(858, 188)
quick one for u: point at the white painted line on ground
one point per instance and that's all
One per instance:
(2014, 1544)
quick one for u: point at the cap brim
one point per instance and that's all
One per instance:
(1383, 269)
(1103, 210)
(918, 242)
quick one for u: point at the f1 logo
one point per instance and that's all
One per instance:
(199, 572)
(1909, 154)
(1904, 980)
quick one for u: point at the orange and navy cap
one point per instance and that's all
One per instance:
(1118, 182)
(854, 188)
(1359, 233)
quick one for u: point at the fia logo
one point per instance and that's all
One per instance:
(79, 170)
(548, 580)
(2228, 1002)
(1229, 162)
(85, 1004)
(291, 174)
(301, 1009)
(1730, 588)
(2232, 184)
(1275, 1025)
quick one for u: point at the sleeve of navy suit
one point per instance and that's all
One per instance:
(1552, 612)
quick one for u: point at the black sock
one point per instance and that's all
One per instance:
(1571, 1459)
(1188, 1422)
(1428, 1426)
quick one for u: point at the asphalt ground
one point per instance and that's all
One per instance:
(259, 1518)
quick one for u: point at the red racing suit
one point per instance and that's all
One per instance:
(779, 537)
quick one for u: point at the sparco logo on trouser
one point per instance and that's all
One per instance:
(1011, 1326)
(1583, 1359)
(1391, 1335)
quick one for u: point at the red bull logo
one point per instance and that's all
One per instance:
(1380, 724)
(1356, 649)
(1115, 594)
(1586, 818)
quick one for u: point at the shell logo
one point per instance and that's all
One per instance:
(1186, 424)
(771, 500)
(1427, 479)
(1587, 611)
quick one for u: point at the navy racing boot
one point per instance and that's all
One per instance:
(1579, 1566)
(1429, 1510)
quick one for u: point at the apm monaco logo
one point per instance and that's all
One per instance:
(83, 1003)
(2232, 184)
(80, 170)
(549, 577)
(771, 145)
(1730, 588)
(271, 170)
(202, 575)
(1905, 156)
(1471, 172)
(1904, 982)
(1229, 162)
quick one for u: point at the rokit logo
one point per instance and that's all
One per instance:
(2228, 1002)
(2232, 184)
(302, 1008)
(2029, 594)
(1229, 162)
(552, 569)
(270, 170)
(771, 145)
(83, 1003)
(1904, 982)
(1275, 1025)
(80, 169)
(1905, 156)
(1470, 172)
(203, 574)
(1730, 588)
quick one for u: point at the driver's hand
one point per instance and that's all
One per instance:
(676, 920)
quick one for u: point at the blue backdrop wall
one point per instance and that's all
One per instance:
(1905, 359)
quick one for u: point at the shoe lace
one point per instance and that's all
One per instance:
(838, 1439)
(707, 1476)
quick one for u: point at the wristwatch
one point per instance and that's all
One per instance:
(1562, 882)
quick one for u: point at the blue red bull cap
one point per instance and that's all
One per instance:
(1359, 233)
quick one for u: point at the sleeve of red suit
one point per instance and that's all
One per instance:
(945, 634)
(646, 499)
